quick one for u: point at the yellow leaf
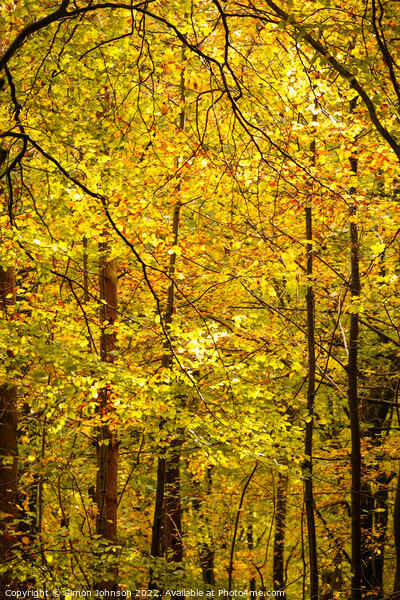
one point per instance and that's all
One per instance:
(175, 250)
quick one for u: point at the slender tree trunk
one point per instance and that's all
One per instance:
(167, 520)
(278, 567)
(207, 565)
(352, 373)
(8, 446)
(107, 445)
(172, 527)
(250, 545)
(396, 527)
(235, 530)
(172, 510)
(166, 528)
(308, 444)
(85, 271)
(352, 393)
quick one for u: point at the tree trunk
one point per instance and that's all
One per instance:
(308, 444)
(166, 529)
(206, 550)
(250, 545)
(352, 392)
(352, 373)
(396, 527)
(8, 446)
(167, 521)
(207, 565)
(107, 445)
(236, 526)
(172, 512)
(278, 567)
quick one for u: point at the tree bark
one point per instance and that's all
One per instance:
(235, 530)
(107, 444)
(167, 527)
(8, 446)
(308, 443)
(172, 512)
(167, 520)
(308, 446)
(250, 545)
(278, 566)
(396, 528)
(352, 373)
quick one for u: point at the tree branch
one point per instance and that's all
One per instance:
(341, 69)
(32, 28)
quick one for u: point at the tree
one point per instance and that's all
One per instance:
(8, 430)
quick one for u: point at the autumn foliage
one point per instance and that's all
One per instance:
(199, 290)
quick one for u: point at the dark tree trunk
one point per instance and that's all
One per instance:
(278, 567)
(167, 527)
(250, 544)
(167, 520)
(352, 372)
(352, 392)
(396, 527)
(172, 512)
(308, 444)
(207, 565)
(235, 530)
(8, 447)
(107, 445)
